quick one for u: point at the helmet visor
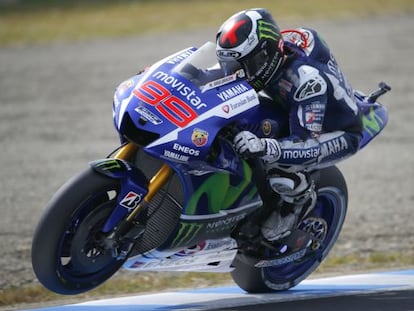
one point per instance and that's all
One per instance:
(255, 64)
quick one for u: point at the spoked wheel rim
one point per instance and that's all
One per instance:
(330, 210)
(81, 255)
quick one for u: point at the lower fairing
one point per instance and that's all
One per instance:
(207, 256)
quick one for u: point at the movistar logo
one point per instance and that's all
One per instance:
(267, 30)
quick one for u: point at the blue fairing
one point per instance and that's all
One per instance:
(181, 116)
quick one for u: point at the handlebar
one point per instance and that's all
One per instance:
(383, 88)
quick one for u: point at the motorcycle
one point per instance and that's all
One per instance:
(175, 196)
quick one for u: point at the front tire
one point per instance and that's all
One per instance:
(68, 256)
(331, 207)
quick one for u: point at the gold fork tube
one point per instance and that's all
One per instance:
(156, 183)
(126, 152)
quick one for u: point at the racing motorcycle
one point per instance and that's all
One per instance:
(175, 196)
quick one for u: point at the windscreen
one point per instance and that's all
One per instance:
(203, 69)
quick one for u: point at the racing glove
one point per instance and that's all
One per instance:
(250, 146)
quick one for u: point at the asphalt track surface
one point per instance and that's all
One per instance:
(382, 301)
(389, 291)
(55, 117)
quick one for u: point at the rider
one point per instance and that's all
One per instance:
(297, 72)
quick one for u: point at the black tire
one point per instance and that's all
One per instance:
(66, 255)
(331, 186)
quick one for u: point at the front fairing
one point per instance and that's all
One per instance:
(175, 117)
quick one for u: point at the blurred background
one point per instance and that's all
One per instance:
(36, 21)
(60, 62)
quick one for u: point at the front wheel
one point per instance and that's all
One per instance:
(68, 254)
(326, 219)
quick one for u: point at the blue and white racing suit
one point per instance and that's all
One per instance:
(324, 121)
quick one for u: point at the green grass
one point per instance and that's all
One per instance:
(136, 283)
(32, 22)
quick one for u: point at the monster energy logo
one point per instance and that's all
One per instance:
(258, 85)
(373, 124)
(109, 165)
(186, 233)
(267, 30)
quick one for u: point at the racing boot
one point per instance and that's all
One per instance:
(297, 191)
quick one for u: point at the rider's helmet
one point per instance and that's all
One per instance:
(251, 38)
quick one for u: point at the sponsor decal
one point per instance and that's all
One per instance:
(110, 165)
(301, 154)
(124, 86)
(270, 128)
(224, 224)
(228, 54)
(281, 261)
(309, 117)
(266, 127)
(232, 92)
(180, 57)
(192, 250)
(186, 150)
(223, 81)
(176, 156)
(148, 115)
(199, 137)
(372, 123)
(309, 89)
(131, 200)
(186, 233)
(226, 108)
(333, 67)
(230, 191)
(267, 30)
(333, 146)
(239, 103)
(183, 89)
(313, 116)
(221, 244)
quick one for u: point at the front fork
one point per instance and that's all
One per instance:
(128, 230)
(155, 184)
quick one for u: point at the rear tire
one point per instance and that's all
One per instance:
(331, 206)
(67, 255)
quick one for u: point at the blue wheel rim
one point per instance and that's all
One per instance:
(65, 270)
(331, 207)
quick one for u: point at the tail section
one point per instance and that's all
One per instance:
(374, 115)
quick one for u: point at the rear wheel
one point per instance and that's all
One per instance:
(68, 254)
(324, 222)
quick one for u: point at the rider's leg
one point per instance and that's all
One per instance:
(299, 197)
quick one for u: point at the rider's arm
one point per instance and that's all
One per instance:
(328, 148)
(309, 144)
